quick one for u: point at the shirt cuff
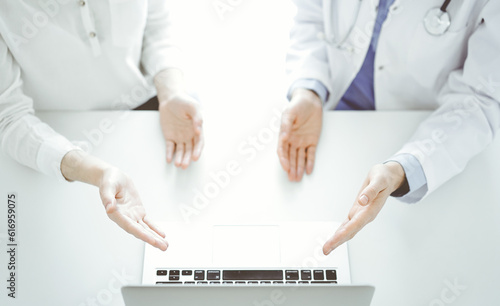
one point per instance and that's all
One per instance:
(51, 153)
(415, 176)
(311, 84)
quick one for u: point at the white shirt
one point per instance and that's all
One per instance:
(75, 55)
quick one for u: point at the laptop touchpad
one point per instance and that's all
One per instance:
(246, 246)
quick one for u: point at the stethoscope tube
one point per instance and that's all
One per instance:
(445, 6)
(436, 22)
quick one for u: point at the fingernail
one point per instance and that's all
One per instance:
(363, 199)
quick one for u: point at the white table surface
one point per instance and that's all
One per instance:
(71, 254)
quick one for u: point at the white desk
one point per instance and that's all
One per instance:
(71, 254)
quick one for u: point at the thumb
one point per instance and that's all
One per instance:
(195, 115)
(108, 197)
(370, 192)
(283, 144)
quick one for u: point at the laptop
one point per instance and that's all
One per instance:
(247, 264)
(248, 295)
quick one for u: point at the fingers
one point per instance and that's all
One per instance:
(284, 154)
(125, 208)
(170, 151)
(283, 141)
(199, 143)
(311, 157)
(297, 164)
(197, 123)
(160, 242)
(301, 163)
(140, 232)
(193, 112)
(296, 161)
(187, 155)
(371, 199)
(182, 126)
(153, 226)
(179, 154)
(187, 152)
(292, 174)
(297, 142)
(344, 233)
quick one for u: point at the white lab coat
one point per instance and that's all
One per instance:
(458, 73)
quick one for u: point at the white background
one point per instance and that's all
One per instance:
(235, 60)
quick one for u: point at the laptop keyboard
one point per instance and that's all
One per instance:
(251, 277)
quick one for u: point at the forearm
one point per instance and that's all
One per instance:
(80, 166)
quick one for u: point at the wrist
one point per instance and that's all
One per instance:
(80, 166)
(169, 83)
(397, 175)
(310, 96)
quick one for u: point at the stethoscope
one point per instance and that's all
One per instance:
(437, 21)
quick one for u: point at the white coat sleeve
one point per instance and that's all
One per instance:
(469, 114)
(307, 55)
(22, 135)
(159, 50)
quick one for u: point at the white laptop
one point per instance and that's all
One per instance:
(247, 264)
(248, 295)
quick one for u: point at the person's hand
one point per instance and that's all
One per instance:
(181, 124)
(124, 207)
(301, 124)
(381, 182)
(118, 194)
(180, 119)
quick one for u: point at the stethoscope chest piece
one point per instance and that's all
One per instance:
(437, 22)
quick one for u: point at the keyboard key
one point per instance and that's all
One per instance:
(199, 275)
(218, 283)
(168, 283)
(292, 274)
(252, 275)
(319, 275)
(265, 282)
(189, 283)
(323, 282)
(305, 274)
(331, 275)
(291, 282)
(187, 272)
(213, 275)
(240, 282)
(174, 272)
(253, 282)
(278, 282)
(173, 277)
(201, 283)
(227, 282)
(161, 272)
(303, 282)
